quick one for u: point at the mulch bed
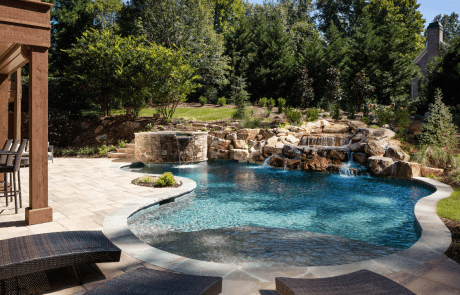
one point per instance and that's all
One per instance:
(151, 184)
(454, 249)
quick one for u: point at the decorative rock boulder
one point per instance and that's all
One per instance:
(374, 148)
(214, 153)
(361, 158)
(281, 130)
(357, 147)
(339, 154)
(219, 143)
(357, 137)
(316, 164)
(293, 163)
(336, 128)
(239, 154)
(266, 133)
(380, 165)
(291, 151)
(273, 149)
(239, 143)
(292, 139)
(428, 171)
(396, 153)
(277, 161)
(273, 140)
(383, 132)
(403, 169)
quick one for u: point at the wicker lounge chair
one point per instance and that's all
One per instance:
(359, 282)
(36, 253)
(149, 281)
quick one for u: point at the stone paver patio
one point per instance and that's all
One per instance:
(83, 192)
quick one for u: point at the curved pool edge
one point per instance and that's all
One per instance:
(434, 241)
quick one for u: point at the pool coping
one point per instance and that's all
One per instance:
(434, 241)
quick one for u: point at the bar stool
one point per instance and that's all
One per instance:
(12, 166)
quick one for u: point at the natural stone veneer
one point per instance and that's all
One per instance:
(434, 241)
(164, 147)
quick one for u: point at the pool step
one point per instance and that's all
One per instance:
(124, 153)
(131, 145)
(126, 150)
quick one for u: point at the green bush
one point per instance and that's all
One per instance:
(293, 115)
(222, 101)
(263, 101)
(312, 114)
(270, 104)
(281, 104)
(385, 115)
(105, 149)
(336, 113)
(403, 118)
(166, 179)
(203, 100)
(251, 122)
(437, 157)
(122, 144)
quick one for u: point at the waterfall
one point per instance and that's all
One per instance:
(187, 138)
(351, 168)
(285, 165)
(266, 161)
(178, 149)
(327, 141)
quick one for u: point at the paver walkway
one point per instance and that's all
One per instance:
(82, 192)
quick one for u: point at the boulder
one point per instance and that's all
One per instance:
(219, 143)
(333, 168)
(316, 164)
(214, 153)
(272, 140)
(267, 133)
(293, 163)
(357, 137)
(357, 147)
(336, 128)
(383, 132)
(292, 139)
(239, 144)
(258, 146)
(428, 171)
(277, 161)
(257, 157)
(395, 152)
(259, 137)
(361, 158)
(380, 165)
(273, 149)
(281, 130)
(340, 154)
(247, 134)
(356, 124)
(394, 142)
(291, 151)
(374, 148)
(239, 154)
(231, 136)
(322, 123)
(219, 134)
(404, 169)
(252, 134)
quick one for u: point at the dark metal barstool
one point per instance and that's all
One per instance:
(13, 164)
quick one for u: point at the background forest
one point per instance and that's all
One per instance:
(107, 54)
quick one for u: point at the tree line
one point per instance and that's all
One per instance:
(108, 54)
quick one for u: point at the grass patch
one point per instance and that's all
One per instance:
(450, 207)
(201, 114)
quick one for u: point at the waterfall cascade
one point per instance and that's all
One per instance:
(351, 168)
(187, 138)
(326, 140)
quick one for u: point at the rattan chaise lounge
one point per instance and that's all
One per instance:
(149, 281)
(36, 253)
(356, 283)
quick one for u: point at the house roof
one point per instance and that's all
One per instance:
(424, 51)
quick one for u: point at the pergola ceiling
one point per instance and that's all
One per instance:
(11, 58)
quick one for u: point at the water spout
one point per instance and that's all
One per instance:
(350, 168)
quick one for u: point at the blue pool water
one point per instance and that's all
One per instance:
(235, 203)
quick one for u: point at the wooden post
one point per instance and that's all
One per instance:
(38, 210)
(17, 106)
(3, 111)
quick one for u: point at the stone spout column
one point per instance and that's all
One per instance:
(38, 210)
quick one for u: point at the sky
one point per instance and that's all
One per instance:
(428, 8)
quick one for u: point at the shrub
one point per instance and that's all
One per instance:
(436, 156)
(281, 104)
(270, 104)
(122, 144)
(439, 130)
(336, 113)
(166, 179)
(385, 115)
(251, 122)
(324, 115)
(203, 100)
(149, 126)
(312, 114)
(222, 101)
(293, 115)
(305, 87)
(240, 97)
(403, 118)
(263, 101)
(105, 149)
(360, 92)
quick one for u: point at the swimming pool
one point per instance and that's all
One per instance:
(248, 214)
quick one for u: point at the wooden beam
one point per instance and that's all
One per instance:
(12, 33)
(17, 106)
(3, 111)
(38, 210)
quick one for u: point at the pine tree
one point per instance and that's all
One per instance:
(439, 130)
(239, 97)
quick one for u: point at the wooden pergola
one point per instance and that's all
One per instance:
(25, 38)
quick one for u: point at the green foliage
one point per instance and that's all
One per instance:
(336, 113)
(436, 156)
(270, 104)
(263, 101)
(251, 122)
(312, 114)
(122, 144)
(166, 179)
(403, 118)
(222, 101)
(281, 104)
(374, 126)
(386, 115)
(203, 100)
(450, 207)
(149, 126)
(360, 92)
(306, 91)
(439, 130)
(239, 97)
(333, 91)
(102, 151)
(293, 115)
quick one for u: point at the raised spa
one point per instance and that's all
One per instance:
(171, 147)
(260, 216)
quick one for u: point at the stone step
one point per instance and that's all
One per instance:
(126, 150)
(119, 155)
(131, 145)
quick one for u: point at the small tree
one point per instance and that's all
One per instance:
(439, 130)
(305, 85)
(333, 91)
(239, 97)
(360, 91)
